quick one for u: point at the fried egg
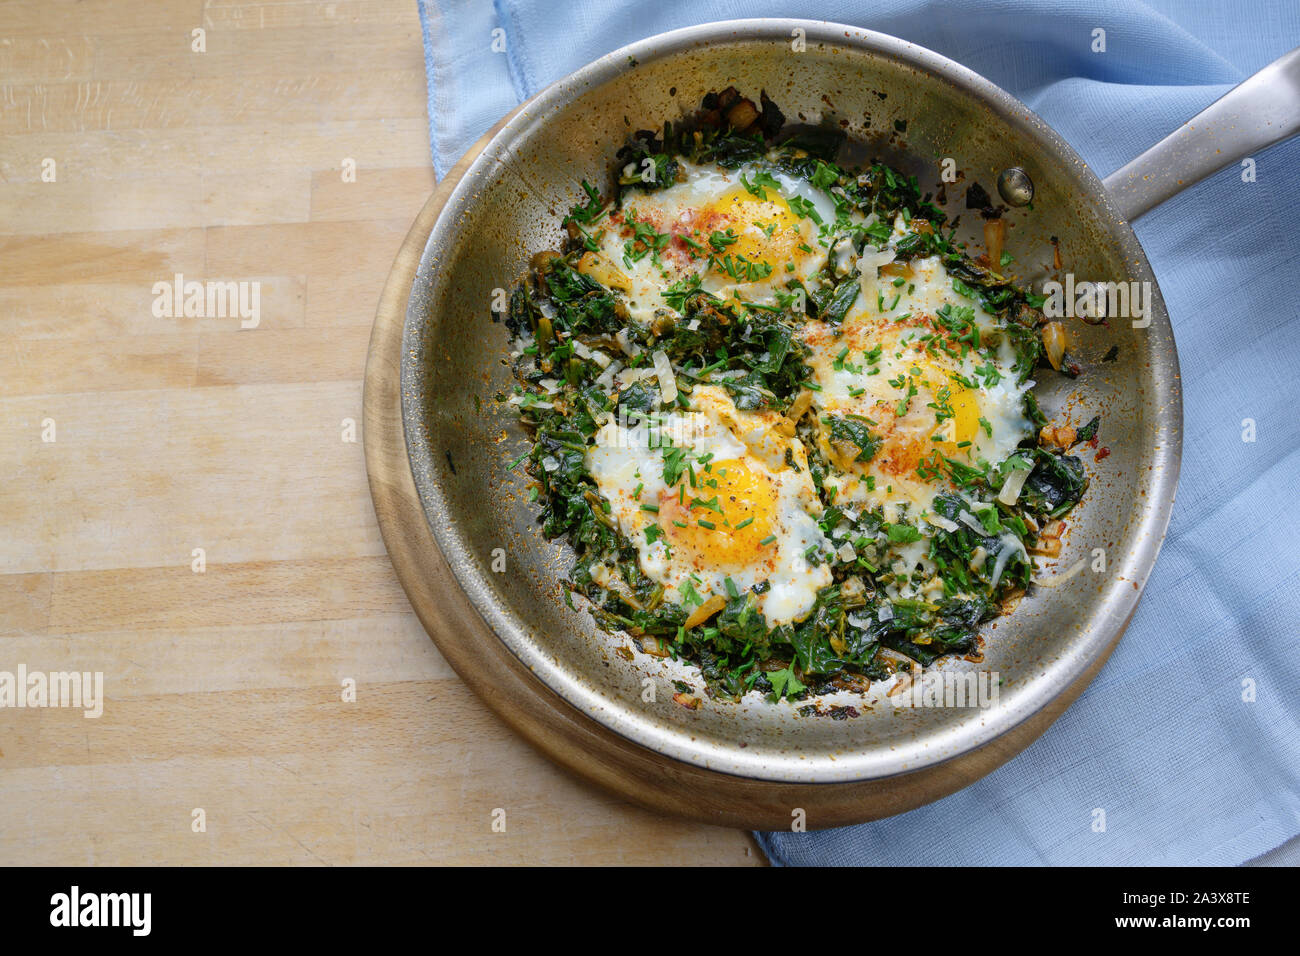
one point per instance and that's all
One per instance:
(716, 500)
(744, 233)
(893, 366)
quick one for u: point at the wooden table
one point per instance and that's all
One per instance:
(224, 687)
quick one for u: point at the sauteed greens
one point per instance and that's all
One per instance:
(852, 382)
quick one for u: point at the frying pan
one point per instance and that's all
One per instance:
(487, 585)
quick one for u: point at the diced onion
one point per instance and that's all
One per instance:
(1010, 492)
(1054, 343)
(886, 612)
(606, 379)
(939, 521)
(630, 375)
(705, 611)
(843, 251)
(1056, 580)
(600, 358)
(1009, 543)
(667, 381)
(995, 233)
(973, 523)
(868, 264)
(802, 402)
(626, 344)
(846, 552)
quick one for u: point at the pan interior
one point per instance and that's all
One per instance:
(900, 104)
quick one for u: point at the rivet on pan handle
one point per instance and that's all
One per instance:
(1261, 111)
(1015, 187)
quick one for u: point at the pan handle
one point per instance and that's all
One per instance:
(1263, 110)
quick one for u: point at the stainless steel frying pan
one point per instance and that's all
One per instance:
(506, 206)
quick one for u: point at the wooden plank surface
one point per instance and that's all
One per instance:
(224, 690)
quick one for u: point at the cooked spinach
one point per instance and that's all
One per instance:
(860, 623)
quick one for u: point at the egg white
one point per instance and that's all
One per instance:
(987, 421)
(874, 366)
(710, 198)
(745, 475)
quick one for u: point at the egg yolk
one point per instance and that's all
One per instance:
(766, 230)
(963, 425)
(905, 445)
(724, 525)
(950, 435)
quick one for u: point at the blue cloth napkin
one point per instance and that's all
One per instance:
(1186, 770)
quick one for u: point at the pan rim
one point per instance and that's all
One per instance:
(1151, 520)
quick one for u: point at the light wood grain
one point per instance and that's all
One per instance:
(224, 689)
